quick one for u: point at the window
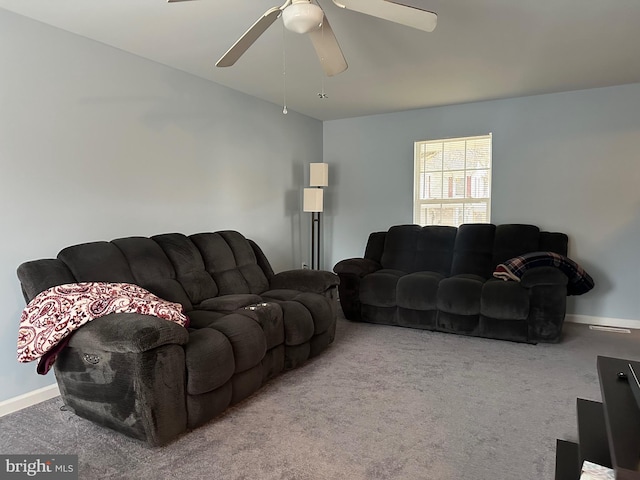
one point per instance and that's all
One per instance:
(452, 181)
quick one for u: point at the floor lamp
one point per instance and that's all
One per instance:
(314, 202)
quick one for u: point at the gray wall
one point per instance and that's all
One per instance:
(96, 144)
(567, 162)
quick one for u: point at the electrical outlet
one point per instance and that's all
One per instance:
(305, 266)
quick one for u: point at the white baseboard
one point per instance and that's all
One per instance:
(603, 321)
(26, 400)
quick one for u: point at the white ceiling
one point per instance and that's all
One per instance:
(480, 50)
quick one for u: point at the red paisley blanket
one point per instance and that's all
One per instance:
(57, 312)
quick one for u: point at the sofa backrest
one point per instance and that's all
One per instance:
(189, 265)
(375, 246)
(38, 275)
(470, 249)
(231, 261)
(400, 247)
(473, 249)
(512, 240)
(411, 248)
(152, 269)
(97, 262)
(176, 267)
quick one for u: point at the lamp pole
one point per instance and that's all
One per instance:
(315, 240)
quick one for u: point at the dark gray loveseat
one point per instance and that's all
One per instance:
(441, 278)
(152, 379)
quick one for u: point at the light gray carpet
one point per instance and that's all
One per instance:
(381, 403)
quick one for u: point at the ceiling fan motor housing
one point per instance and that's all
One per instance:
(302, 16)
(305, 16)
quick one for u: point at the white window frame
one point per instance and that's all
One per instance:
(418, 203)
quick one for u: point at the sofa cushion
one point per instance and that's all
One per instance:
(375, 246)
(97, 262)
(246, 338)
(460, 294)
(280, 294)
(304, 280)
(231, 262)
(320, 308)
(38, 275)
(434, 249)
(229, 303)
(298, 319)
(304, 314)
(203, 318)
(514, 239)
(146, 259)
(189, 266)
(379, 288)
(270, 318)
(400, 248)
(152, 269)
(554, 242)
(209, 361)
(474, 249)
(504, 300)
(418, 291)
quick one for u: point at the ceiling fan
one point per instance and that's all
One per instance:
(304, 16)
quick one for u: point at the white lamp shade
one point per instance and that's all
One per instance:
(319, 174)
(313, 200)
(302, 17)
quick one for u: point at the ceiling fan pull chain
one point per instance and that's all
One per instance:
(284, 73)
(322, 95)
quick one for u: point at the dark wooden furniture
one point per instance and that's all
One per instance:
(608, 431)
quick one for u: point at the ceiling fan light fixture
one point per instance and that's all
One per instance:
(302, 17)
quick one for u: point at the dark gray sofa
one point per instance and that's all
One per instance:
(152, 379)
(441, 278)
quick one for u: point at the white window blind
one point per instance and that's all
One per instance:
(452, 181)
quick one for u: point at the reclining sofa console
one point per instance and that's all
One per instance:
(152, 379)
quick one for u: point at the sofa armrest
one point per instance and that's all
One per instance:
(127, 372)
(547, 302)
(304, 280)
(356, 266)
(539, 276)
(351, 271)
(128, 333)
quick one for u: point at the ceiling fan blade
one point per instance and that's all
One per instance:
(394, 12)
(171, 1)
(249, 37)
(328, 50)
